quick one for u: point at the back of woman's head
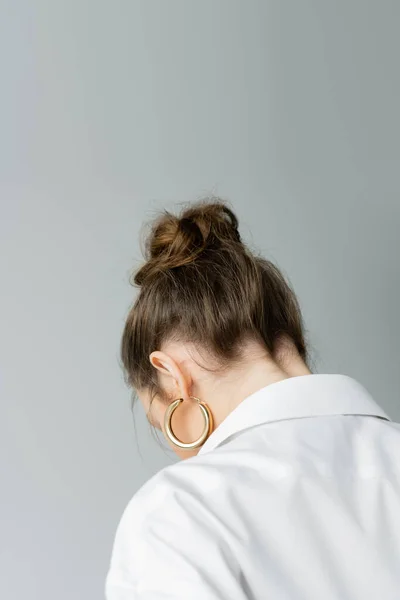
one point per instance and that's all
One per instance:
(202, 285)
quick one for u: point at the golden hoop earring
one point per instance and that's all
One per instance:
(208, 424)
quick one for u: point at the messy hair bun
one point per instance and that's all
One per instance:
(202, 284)
(175, 241)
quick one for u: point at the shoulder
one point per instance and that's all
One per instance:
(164, 525)
(181, 497)
(190, 480)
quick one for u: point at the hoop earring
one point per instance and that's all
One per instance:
(208, 424)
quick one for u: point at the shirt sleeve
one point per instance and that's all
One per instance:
(174, 552)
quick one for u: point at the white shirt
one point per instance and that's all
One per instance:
(295, 496)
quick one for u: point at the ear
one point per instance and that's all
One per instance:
(167, 366)
(163, 363)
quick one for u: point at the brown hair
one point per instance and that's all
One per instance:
(202, 284)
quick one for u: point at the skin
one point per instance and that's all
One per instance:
(181, 375)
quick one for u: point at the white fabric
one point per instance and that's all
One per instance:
(295, 496)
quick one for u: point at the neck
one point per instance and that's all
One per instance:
(226, 393)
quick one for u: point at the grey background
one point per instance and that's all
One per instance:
(110, 110)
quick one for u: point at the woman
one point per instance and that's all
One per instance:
(291, 490)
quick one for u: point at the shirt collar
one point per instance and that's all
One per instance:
(296, 398)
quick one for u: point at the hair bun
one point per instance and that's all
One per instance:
(175, 241)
